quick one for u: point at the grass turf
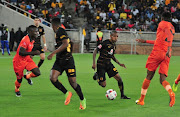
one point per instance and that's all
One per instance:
(43, 99)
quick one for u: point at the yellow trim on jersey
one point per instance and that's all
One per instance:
(69, 46)
(62, 36)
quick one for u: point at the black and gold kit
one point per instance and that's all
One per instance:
(107, 49)
(64, 59)
(37, 43)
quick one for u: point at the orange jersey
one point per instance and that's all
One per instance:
(164, 38)
(25, 43)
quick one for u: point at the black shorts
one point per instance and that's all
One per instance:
(103, 68)
(38, 48)
(67, 65)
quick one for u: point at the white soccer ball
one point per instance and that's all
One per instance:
(111, 94)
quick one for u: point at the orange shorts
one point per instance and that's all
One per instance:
(20, 66)
(157, 58)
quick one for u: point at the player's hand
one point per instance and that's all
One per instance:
(94, 66)
(45, 48)
(50, 56)
(122, 65)
(168, 54)
(37, 52)
(141, 40)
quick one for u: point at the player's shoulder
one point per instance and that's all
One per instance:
(40, 27)
(60, 29)
(165, 24)
(26, 38)
(106, 41)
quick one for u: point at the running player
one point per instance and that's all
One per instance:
(160, 56)
(107, 49)
(37, 43)
(64, 62)
(22, 59)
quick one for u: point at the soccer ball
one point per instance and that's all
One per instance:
(111, 94)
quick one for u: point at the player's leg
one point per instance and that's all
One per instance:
(175, 85)
(163, 71)
(7, 47)
(17, 86)
(2, 47)
(145, 86)
(54, 80)
(121, 86)
(42, 57)
(167, 87)
(77, 88)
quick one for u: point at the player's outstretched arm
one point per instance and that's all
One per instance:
(115, 60)
(23, 52)
(145, 41)
(60, 49)
(94, 59)
(44, 41)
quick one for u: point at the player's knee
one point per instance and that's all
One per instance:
(37, 73)
(73, 84)
(102, 84)
(53, 78)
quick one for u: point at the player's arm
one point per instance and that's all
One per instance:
(44, 41)
(145, 41)
(169, 39)
(94, 59)
(60, 49)
(23, 52)
(115, 60)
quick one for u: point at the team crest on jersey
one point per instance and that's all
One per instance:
(111, 52)
(99, 46)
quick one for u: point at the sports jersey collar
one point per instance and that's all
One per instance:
(31, 40)
(111, 41)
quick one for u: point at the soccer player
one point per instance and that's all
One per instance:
(22, 59)
(160, 56)
(107, 49)
(37, 43)
(64, 62)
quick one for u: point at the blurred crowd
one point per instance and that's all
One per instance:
(143, 15)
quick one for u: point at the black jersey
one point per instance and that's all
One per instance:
(107, 49)
(38, 39)
(60, 36)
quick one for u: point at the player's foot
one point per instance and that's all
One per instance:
(138, 102)
(29, 80)
(82, 104)
(95, 77)
(18, 94)
(68, 96)
(9, 54)
(172, 99)
(125, 97)
(175, 86)
(2, 54)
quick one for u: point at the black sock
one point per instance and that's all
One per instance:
(40, 62)
(121, 87)
(79, 92)
(59, 86)
(19, 80)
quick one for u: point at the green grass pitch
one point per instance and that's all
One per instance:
(42, 99)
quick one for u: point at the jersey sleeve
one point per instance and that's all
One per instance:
(61, 34)
(41, 31)
(170, 34)
(24, 43)
(101, 46)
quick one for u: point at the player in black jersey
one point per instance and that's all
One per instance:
(37, 44)
(107, 49)
(64, 62)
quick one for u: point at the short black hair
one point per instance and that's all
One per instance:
(36, 18)
(112, 32)
(56, 21)
(31, 27)
(166, 16)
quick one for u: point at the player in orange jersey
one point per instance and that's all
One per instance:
(160, 56)
(22, 59)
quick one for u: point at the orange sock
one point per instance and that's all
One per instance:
(30, 75)
(144, 88)
(177, 79)
(167, 86)
(17, 86)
